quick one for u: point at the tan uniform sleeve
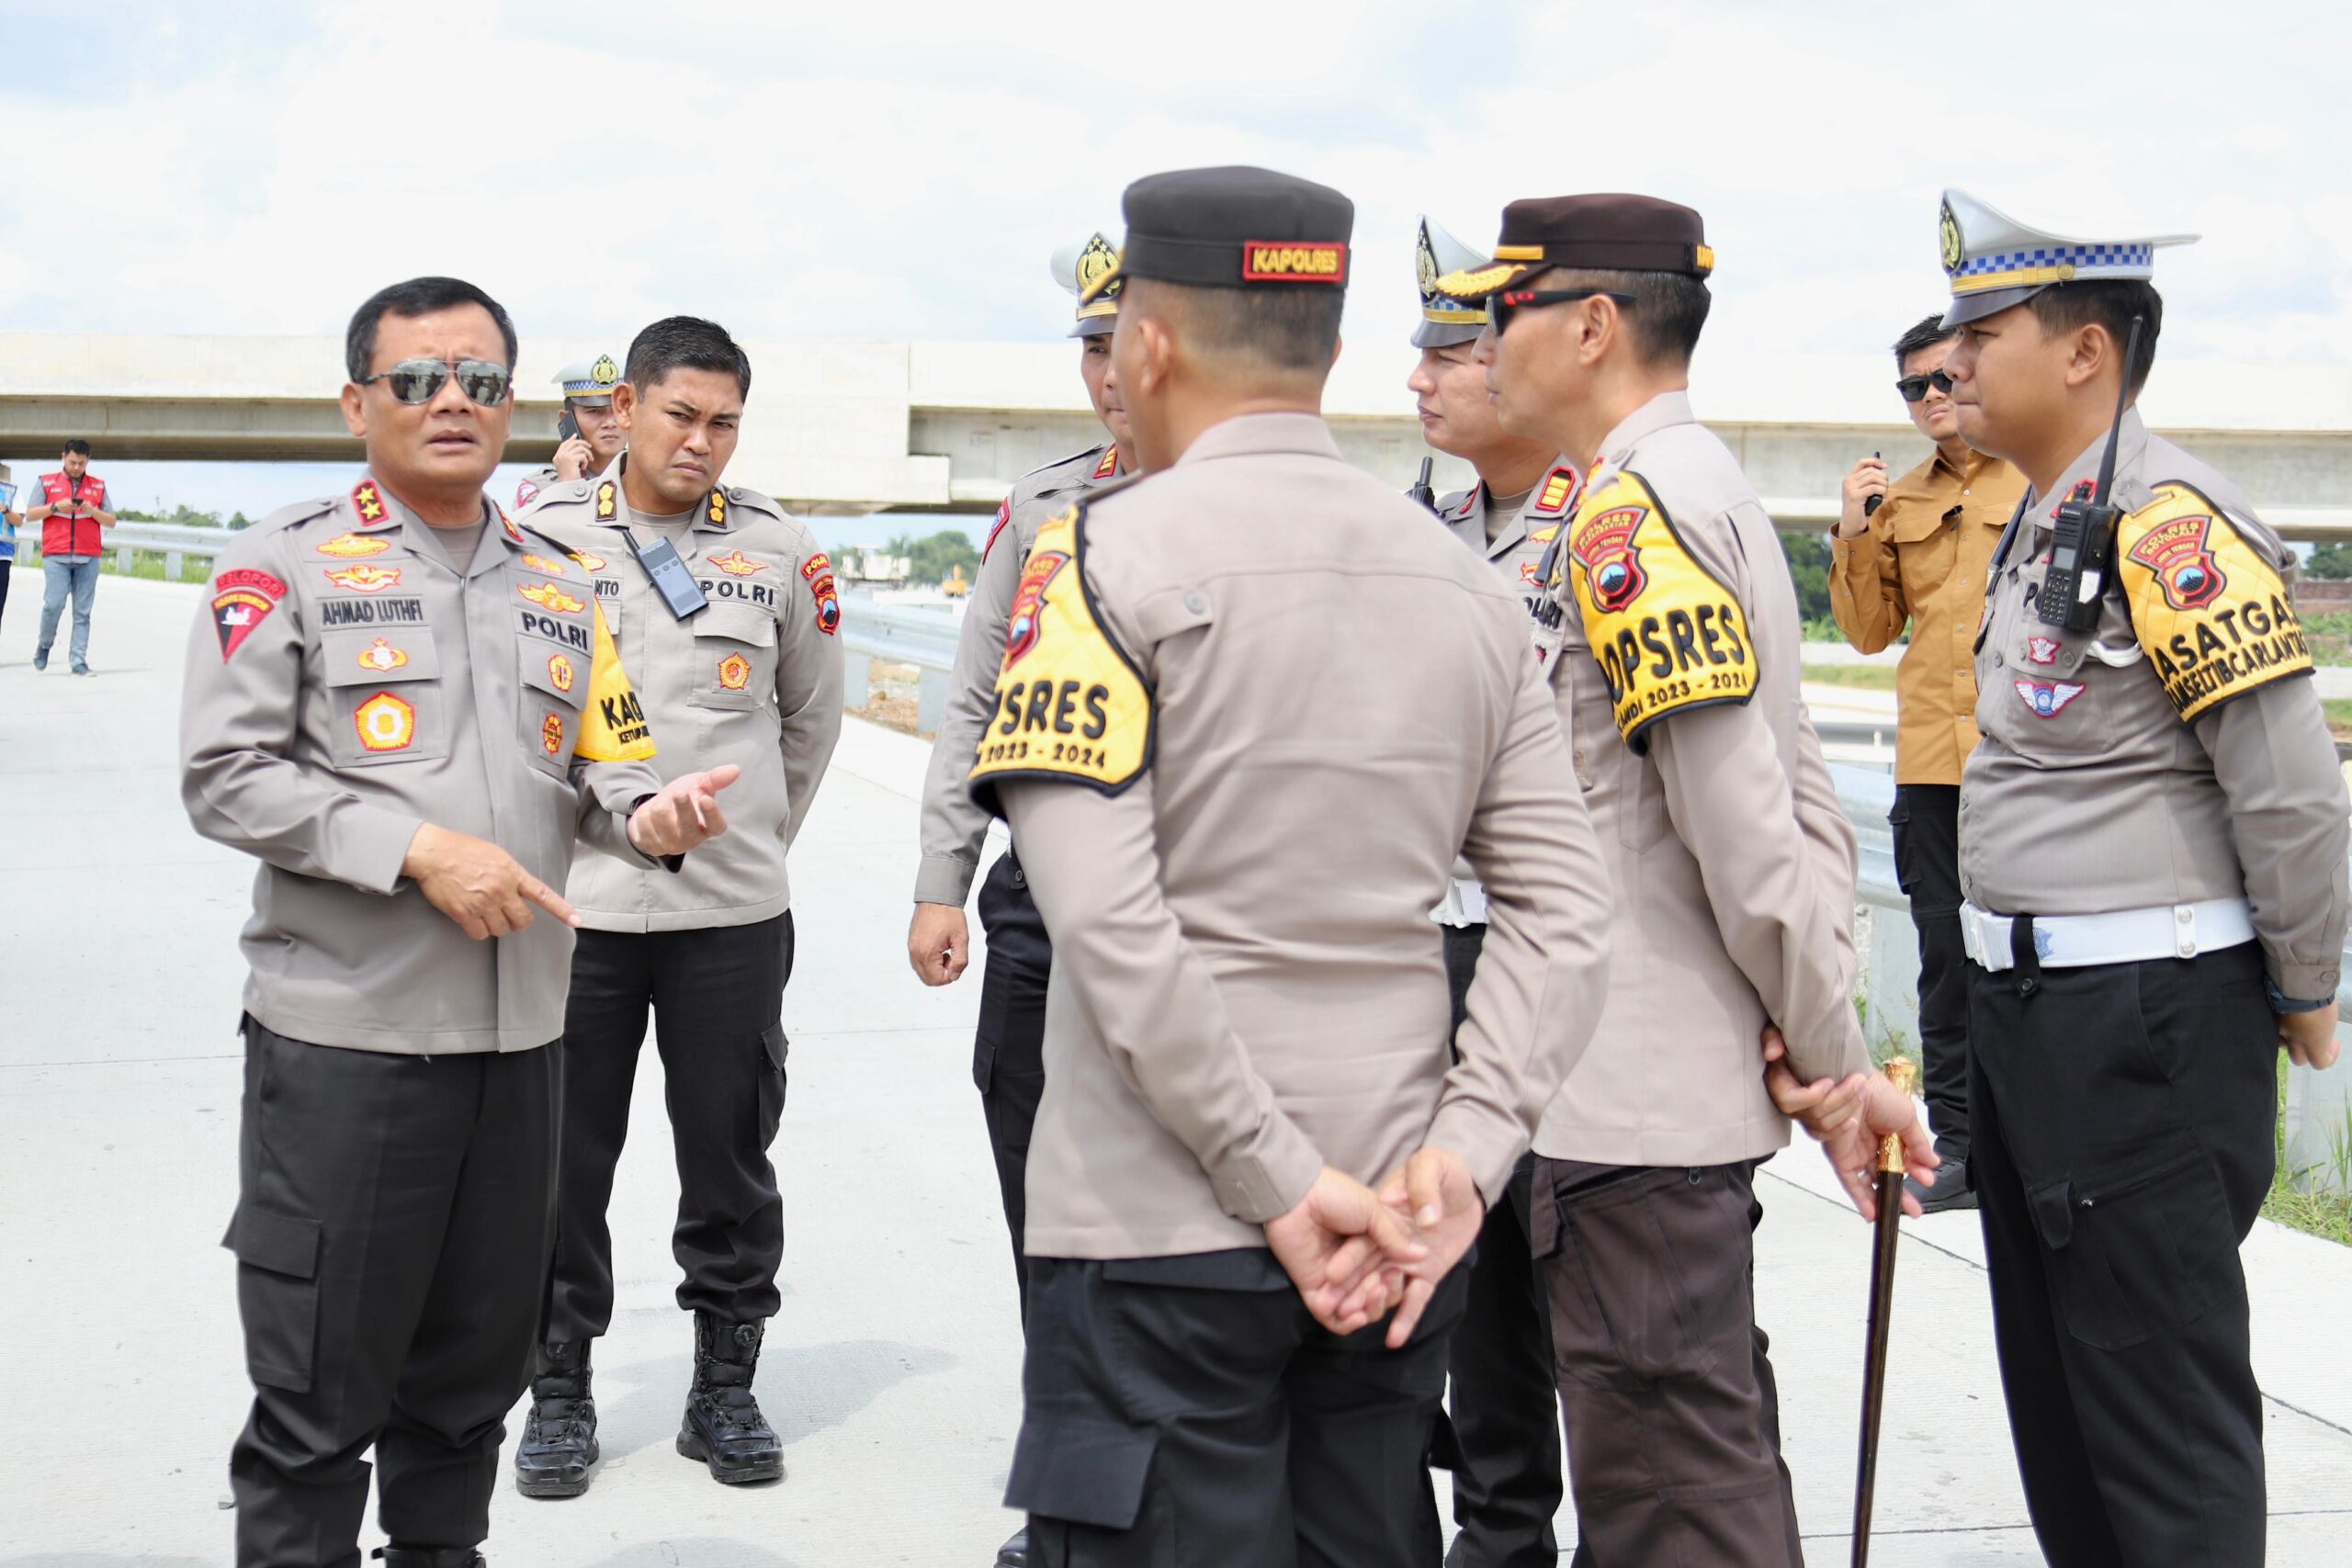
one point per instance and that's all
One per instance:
(2275, 762)
(1542, 975)
(239, 719)
(1094, 864)
(1865, 587)
(954, 829)
(809, 704)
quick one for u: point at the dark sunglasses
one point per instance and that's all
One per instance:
(414, 381)
(1914, 388)
(1504, 301)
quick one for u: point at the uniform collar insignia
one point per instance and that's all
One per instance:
(1470, 501)
(1109, 464)
(506, 526)
(607, 503)
(1554, 495)
(369, 502)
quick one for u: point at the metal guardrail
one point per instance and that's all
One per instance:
(897, 634)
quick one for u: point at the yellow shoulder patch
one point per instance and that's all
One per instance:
(612, 726)
(1667, 636)
(2211, 613)
(1069, 703)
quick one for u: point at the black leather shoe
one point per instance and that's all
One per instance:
(428, 1556)
(723, 1427)
(1014, 1553)
(558, 1444)
(1952, 1189)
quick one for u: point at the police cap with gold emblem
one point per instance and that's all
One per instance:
(1610, 233)
(1995, 262)
(1077, 266)
(1233, 228)
(589, 382)
(1445, 321)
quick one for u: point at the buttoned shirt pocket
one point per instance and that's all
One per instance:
(734, 658)
(384, 697)
(1923, 545)
(552, 688)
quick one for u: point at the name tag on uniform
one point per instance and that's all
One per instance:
(671, 578)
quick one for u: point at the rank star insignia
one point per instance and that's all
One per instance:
(552, 597)
(2046, 698)
(369, 502)
(716, 510)
(560, 671)
(606, 503)
(734, 672)
(551, 734)
(366, 578)
(541, 563)
(385, 723)
(381, 656)
(351, 546)
(735, 563)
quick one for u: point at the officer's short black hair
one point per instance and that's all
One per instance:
(1667, 311)
(2110, 303)
(1929, 331)
(417, 297)
(78, 446)
(686, 343)
(1292, 330)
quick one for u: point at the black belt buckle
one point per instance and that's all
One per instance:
(671, 578)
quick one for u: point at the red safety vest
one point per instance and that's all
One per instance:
(72, 535)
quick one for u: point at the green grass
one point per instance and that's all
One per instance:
(148, 564)
(2327, 1215)
(2330, 635)
(2339, 714)
(1868, 677)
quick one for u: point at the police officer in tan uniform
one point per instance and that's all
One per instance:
(1504, 1420)
(747, 667)
(408, 711)
(599, 435)
(1253, 672)
(2153, 840)
(1008, 1062)
(1670, 634)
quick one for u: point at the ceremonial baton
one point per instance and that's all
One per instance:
(1890, 1164)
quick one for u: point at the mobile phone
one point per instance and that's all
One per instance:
(567, 427)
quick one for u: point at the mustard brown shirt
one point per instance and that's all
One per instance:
(1921, 560)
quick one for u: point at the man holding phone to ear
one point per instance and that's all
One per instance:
(1917, 558)
(588, 435)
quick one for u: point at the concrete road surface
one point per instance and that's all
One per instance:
(892, 1370)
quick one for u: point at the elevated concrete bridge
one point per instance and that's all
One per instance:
(860, 426)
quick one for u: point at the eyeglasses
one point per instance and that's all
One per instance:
(1503, 302)
(1914, 388)
(414, 381)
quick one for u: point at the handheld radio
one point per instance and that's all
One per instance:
(1421, 491)
(2082, 542)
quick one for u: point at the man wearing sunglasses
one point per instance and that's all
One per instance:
(1668, 627)
(1008, 1045)
(409, 710)
(1504, 1417)
(727, 611)
(1918, 558)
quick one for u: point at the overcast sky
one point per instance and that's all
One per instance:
(903, 171)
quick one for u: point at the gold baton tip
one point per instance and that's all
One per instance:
(1904, 1074)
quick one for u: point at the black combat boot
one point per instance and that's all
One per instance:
(560, 1435)
(724, 1427)
(428, 1556)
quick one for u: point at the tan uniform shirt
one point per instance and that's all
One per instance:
(344, 687)
(1734, 863)
(1309, 702)
(2091, 794)
(1922, 561)
(535, 484)
(954, 830)
(753, 678)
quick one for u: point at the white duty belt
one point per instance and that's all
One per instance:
(2128, 936)
(1465, 904)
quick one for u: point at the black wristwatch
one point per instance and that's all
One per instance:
(2283, 1003)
